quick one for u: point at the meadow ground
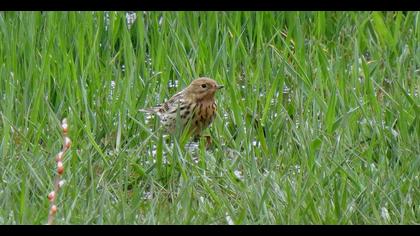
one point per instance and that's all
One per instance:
(318, 123)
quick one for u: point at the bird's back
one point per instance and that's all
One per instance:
(167, 111)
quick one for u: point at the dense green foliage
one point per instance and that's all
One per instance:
(319, 122)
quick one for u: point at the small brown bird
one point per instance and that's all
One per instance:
(195, 105)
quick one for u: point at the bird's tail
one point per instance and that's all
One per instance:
(150, 110)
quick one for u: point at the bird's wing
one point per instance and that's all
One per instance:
(173, 103)
(167, 106)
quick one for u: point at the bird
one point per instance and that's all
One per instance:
(195, 105)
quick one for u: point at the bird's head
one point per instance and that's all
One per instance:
(203, 88)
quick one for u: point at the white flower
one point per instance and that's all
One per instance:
(238, 174)
(385, 214)
(229, 219)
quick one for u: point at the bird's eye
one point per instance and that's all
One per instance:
(204, 85)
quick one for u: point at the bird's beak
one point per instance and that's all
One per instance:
(220, 86)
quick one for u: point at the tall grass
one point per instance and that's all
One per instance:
(319, 122)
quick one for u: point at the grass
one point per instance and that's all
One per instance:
(319, 122)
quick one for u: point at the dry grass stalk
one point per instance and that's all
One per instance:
(58, 182)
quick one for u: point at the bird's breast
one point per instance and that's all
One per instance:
(204, 114)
